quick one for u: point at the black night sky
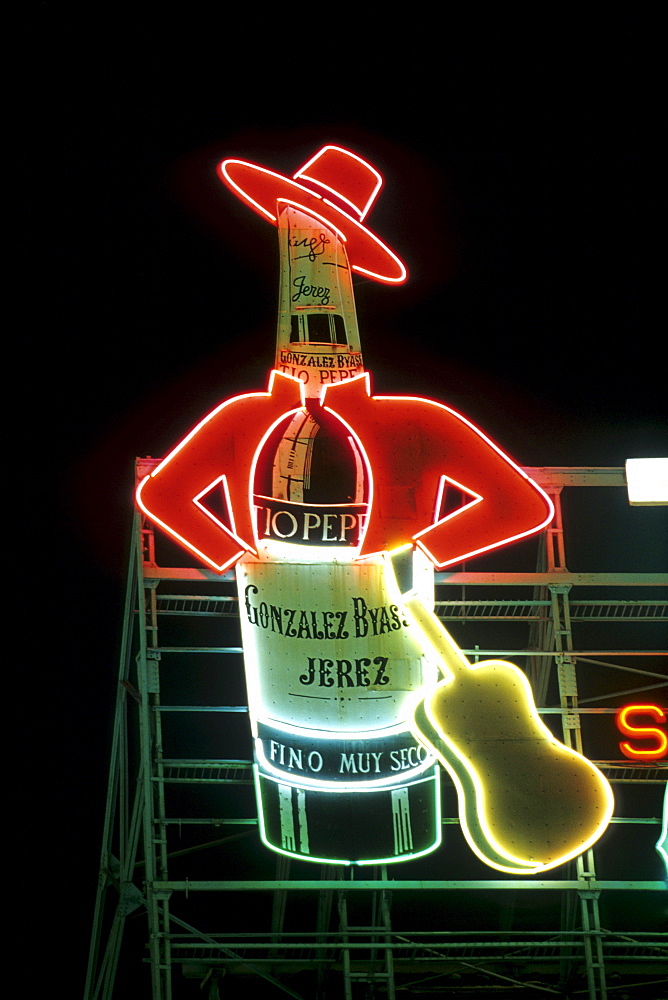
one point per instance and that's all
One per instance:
(522, 198)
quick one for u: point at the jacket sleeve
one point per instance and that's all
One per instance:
(413, 446)
(221, 449)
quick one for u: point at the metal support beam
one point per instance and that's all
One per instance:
(165, 633)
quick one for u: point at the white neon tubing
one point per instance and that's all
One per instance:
(361, 211)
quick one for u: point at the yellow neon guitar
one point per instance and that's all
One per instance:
(527, 803)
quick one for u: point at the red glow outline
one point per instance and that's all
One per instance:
(264, 170)
(339, 149)
(215, 412)
(363, 270)
(356, 222)
(477, 497)
(220, 568)
(245, 546)
(651, 732)
(228, 503)
(460, 510)
(386, 535)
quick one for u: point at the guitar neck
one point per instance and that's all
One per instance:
(452, 662)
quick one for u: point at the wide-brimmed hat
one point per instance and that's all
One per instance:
(336, 186)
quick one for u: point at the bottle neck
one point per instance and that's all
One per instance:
(318, 337)
(310, 487)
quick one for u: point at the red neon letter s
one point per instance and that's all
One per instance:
(642, 732)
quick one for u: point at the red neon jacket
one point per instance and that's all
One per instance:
(409, 444)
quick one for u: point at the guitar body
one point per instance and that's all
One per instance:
(527, 803)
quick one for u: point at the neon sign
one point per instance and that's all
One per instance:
(335, 186)
(662, 842)
(222, 448)
(226, 445)
(409, 473)
(330, 718)
(653, 739)
(527, 803)
(322, 485)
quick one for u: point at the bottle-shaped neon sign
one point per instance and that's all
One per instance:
(332, 663)
(328, 489)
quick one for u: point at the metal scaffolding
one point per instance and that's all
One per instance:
(180, 848)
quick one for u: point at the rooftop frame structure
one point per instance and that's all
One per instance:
(180, 846)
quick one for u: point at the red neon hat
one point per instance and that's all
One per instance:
(335, 185)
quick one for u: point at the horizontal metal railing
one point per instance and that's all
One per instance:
(227, 606)
(420, 945)
(197, 771)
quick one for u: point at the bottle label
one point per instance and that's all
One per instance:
(321, 525)
(327, 646)
(358, 759)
